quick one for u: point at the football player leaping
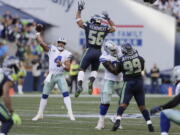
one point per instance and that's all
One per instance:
(111, 82)
(95, 33)
(59, 61)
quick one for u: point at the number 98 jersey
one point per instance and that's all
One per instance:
(131, 66)
(95, 34)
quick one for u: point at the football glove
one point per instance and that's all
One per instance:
(16, 119)
(105, 15)
(81, 5)
(155, 110)
(39, 27)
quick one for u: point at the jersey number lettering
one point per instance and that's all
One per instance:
(95, 37)
(133, 66)
(57, 59)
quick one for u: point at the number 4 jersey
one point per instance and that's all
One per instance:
(95, 34)
(131, 66)
(54, 56)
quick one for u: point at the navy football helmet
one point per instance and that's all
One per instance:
(96, 19)
(127, 49)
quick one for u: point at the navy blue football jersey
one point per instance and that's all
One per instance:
(131, 66)
(95, 34)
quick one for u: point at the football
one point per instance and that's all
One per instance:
(39, 27)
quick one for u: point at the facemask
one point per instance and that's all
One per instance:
(60, 48)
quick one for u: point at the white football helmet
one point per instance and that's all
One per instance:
(111, 48)
(63, 40)
(176, 74)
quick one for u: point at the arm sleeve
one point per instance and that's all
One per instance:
(172, 103)
(112, 68)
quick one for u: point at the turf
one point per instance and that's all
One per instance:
(53, 124)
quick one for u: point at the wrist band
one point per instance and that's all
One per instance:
(38, 33)
(63, 65)
(78, 19)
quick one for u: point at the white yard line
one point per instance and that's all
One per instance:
(84, 95)
(125, 116)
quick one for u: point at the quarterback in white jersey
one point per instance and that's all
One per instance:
(111, 82)
(59, 60)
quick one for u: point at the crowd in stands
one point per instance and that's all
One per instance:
(169, 6)
(18, 35)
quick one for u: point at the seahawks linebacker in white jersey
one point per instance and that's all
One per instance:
(59, 60)
(111, 82)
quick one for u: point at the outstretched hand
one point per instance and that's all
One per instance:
(81, 5)
(155, 110)
(105, 15)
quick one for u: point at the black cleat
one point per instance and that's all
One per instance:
(151, 128)
(79, 89)
(90, 87)
(116, 125)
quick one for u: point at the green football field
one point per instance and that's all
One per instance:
(86, 111)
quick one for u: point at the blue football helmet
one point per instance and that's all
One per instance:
(96, 19)
(127, 49)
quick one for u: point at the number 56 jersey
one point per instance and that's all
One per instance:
(131, 66)
(95, 34)
(54, 56)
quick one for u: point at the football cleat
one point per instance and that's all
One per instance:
(113, 120)
(90, 87)
(79, 89)
(100, 125)
(38, 117)
(116, 125)
(151, 128)
(71, 116)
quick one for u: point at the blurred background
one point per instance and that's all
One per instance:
(151, 26)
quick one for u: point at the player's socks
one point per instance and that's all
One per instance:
(20, 87)
(164, 123)
(6, 126)
(67, 102)
(164, 133)
(146, 116)
(81, 76)
(120, 111)
(42, 106)
(103, 109)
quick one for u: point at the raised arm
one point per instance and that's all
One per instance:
(39, 29)
(79, 20)
(171, 104)
(111, 23)
(112, 68)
